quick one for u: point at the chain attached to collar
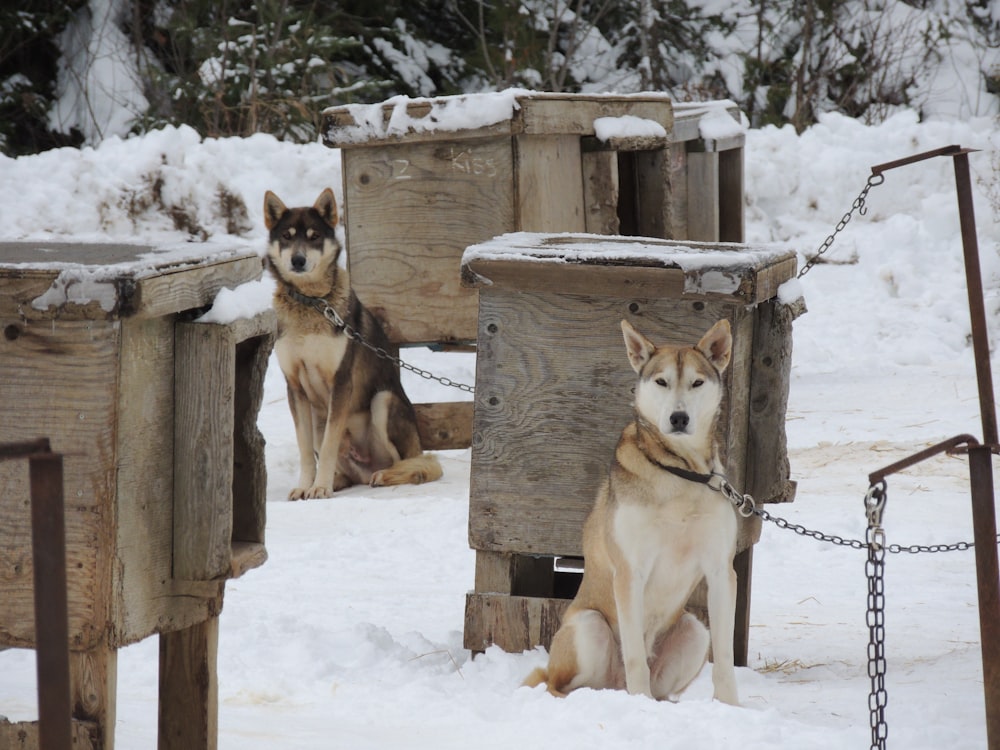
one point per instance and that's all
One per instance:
(339, 324)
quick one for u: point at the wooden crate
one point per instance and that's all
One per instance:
(164, 466)
(553, 389)
(418, 191)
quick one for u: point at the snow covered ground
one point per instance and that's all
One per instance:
(350, 635)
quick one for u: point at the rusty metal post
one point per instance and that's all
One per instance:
(980, 461)
(48, 544)
(980, 456)
(987, 577)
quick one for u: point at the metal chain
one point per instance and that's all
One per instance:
(859, 206)
(874, 542)
(875, 616)
(746, 506)
(333, 317)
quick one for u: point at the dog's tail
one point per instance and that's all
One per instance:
(416, 470)
(536, 678)
(539, 676)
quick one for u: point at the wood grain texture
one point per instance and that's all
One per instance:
(93, 690)
(23, 735)
(549, 190)
(189, 689)
(514, 623)
(768, 468)
(444, 426)
(204, 398)
(703, 196)
(148, 599)
(553, 394)
(411, 210)
(131, 289)
(60, 381)
(600, 192)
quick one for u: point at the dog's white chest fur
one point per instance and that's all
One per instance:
(309, 363)
(671, 540)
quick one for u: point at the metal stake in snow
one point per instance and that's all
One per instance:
(980, 455)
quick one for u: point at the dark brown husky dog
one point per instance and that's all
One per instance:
(353, 422)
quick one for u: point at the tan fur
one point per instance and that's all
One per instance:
(353, 422)
(652, 536)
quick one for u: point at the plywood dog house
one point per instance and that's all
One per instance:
(425, 178)
(164, 478)
(553, 392)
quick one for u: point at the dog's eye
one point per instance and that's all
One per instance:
(698, 383)
(311, 234)
(288, 234)
(661, 382)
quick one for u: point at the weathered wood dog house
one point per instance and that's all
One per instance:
(164, 478)
(425, 178)
(553, 392)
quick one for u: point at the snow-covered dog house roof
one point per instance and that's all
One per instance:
(426, 178)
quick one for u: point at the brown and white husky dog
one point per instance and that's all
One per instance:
(655, 531)
(353, 422)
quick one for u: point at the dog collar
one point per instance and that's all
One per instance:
(320, 305)
(691, 476)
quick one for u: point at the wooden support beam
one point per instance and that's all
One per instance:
(93, 689)
(189, 691)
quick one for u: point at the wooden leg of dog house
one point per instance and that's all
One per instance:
(189, 694)
(93, 687)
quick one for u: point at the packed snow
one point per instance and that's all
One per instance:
(350, 636)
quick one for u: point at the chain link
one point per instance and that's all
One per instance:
(859, 206)
(333, 317)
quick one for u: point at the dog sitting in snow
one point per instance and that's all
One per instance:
(656, 529)
(353, 422)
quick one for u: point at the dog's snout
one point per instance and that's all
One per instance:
(679, 421)
(298, 262)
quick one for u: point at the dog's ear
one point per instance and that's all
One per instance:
(274, 209)
(639, 348)
(717, 345)
(326, 204)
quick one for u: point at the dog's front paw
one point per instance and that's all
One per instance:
(311, 493)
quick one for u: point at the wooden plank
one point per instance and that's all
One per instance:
(768, 468)
(676, 223)
(189, 690)
(652, 193)
(149, 599)
(514, 623)
(628, 266)
(574, 114)
(444, 426)
(246, 556)
(731, 221)
(59, 381)
(189, 288)
(600, 192)
(23, 735)
(442, 197)
(93, 684)
(549, 188)
(534, 472)
(204, 396)
(535, 113)
(249, 473)
(144, 288)
(703, 196)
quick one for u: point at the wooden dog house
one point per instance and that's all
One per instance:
(425, 178)
(553, 392)
(164, 477)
